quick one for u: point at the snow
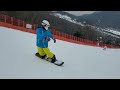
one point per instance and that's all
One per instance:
(17, 59)
(112, 31)
(67, 18)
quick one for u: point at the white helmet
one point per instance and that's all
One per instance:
(46, 24)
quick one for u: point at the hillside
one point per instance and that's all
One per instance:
(63, 25)
(56, 23)
(103, 19)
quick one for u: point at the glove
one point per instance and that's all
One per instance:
(47, 38)
(54, 40)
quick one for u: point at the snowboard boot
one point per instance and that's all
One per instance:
(37, 54)
(53, 59)
(42, 57)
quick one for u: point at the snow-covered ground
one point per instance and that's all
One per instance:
(17, 59)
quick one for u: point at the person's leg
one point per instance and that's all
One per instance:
(41, 52)
(50, 54)
(47, 52)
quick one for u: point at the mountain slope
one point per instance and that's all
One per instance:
(103, 19)
(17, 59)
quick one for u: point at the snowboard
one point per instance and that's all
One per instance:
(57, 62)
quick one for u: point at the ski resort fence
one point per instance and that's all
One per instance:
(18, 24)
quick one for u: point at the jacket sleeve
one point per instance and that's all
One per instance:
(50, 35)
(39, 34)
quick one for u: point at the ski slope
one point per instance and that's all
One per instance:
(17, 59)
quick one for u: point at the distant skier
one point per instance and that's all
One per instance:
(43, 37)
(105, 47)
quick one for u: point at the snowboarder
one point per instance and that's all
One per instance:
(43, 37)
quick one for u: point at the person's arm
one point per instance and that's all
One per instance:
(51, 36)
